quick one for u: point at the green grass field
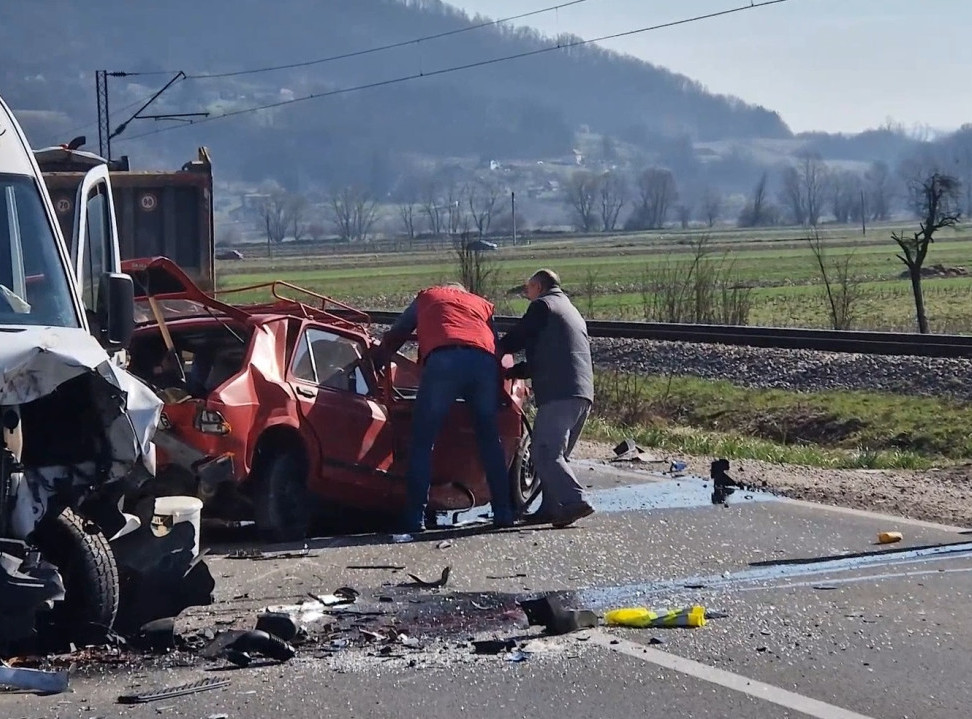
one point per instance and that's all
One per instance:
(605, 275)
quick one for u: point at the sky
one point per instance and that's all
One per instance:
(831, 65)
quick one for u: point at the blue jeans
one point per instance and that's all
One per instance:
(447, 375)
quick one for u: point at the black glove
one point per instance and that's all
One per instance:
(521, 370)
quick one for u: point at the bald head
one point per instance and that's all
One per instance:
(541, 281)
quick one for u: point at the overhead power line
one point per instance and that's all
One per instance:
(382, 48)
(459, 68)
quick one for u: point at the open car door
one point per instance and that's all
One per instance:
(107, 294)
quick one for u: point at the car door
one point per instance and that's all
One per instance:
(340, 407)
(94, 243)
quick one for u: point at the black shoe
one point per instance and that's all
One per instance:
(570, 513)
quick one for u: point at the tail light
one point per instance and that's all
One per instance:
(209, 421)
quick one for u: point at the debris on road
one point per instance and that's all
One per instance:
(444, 544)
(641, 617)
(33, 679)
(177, 691)
(889, 537)
(258, 554)
(516, 655)
(436, 583)
(549, 612)
(629, 451)
(239, 645)
(493, 646)
(279, 624)
(402, 538)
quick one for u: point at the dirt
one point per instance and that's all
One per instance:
(935, 495)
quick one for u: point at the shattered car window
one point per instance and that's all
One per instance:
(33, 284)
(171, 309)
(332, 361)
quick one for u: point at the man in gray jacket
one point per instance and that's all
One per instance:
(558, 360)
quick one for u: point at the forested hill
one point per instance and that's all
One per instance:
(524, 108)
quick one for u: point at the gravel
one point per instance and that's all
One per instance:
(795, 370)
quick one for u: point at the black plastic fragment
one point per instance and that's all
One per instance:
(177, 691)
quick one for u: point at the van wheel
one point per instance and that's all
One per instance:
(86, 563)
(524, 483)
(282, 504)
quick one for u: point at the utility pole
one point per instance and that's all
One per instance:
(513, 204)
(863, 216)
(105, 134)
(104, 126)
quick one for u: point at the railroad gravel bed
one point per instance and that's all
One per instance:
(795, 370)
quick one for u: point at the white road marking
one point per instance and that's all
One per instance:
(760, 690)
(867, 514)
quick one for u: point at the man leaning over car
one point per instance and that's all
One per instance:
(457, 351)
(558, 360)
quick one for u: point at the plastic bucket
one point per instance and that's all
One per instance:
(169, 511)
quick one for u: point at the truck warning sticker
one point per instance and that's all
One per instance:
(148, 202)
(62, 205)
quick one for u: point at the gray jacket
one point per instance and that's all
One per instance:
(558, 351)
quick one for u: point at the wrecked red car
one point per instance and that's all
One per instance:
(275, 411)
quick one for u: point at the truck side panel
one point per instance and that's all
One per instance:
(158, 213)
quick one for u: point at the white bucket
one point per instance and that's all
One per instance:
(169, 511)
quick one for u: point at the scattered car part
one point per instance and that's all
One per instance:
(548, 611)
(278, 624)
(34, 679)
(177, 691)
(156, 636)
(440, 582)
(493, 646)
(255, 641)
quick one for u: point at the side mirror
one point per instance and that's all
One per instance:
(116, 310)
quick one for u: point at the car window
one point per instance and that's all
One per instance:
(33, 279)
(96, 248)
(329, 360)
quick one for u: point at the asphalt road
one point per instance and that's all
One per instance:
(813, 618)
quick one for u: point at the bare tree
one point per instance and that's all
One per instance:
(939, 197)
(432, 209)
(298, 211)
(843, 287)
(791, 195)
(476, 270)
(657, 191)
(406, 210)
(711, 206)
(316, 230)
(582, 193)
(613, 194)
(455, 212)
(481, 198)
(758, 212)
(814, 174)
(276, 217)
(845, 195)
(879, 191)
(353, 214)
(684, 212)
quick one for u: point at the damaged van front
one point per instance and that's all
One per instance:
(76, 427)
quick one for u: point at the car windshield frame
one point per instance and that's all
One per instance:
(35, 282)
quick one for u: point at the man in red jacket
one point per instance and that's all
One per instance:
(457, 352)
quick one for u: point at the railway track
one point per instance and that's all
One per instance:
(853, 341)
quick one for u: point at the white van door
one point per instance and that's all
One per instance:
(95, 257)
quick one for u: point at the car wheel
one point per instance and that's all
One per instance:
(283, 509)
(524, 482)
(86, 563)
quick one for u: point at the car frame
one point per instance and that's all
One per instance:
(301, 421)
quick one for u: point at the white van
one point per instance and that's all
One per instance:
(75, 426)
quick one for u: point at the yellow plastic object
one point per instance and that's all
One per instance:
(642, 617)
(889, 537)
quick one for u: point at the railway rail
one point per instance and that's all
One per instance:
(852, 341)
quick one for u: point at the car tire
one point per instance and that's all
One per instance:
(282, 504)
(87, 566)
(524, 483)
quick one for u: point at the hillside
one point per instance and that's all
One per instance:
(525, 108)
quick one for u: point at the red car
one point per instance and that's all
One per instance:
(276, 411)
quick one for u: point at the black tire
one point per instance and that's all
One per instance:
(283, 507)
(524, 483)
(87, 565)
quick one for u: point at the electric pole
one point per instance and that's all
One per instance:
(513, 204)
